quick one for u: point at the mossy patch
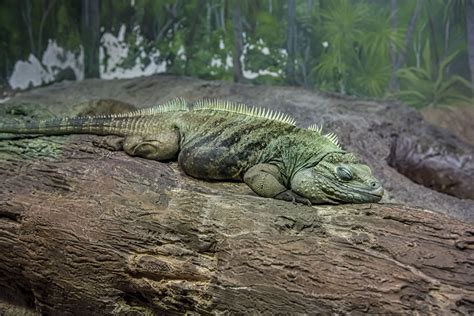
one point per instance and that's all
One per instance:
(49, 148)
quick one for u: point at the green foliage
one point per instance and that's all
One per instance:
(341, 45)
(429, 85)
(67, 29)
(356, 60)
(269, 28)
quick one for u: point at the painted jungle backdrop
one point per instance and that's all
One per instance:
(421, 51)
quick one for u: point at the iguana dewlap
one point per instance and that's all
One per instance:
(220, 140)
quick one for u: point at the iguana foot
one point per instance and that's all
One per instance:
(291, 196)
(112, 143)
(156, 147)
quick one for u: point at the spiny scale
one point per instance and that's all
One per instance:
(240, 108)
(330, 136)
(174, 105)
(316, 128)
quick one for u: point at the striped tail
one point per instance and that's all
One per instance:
(96, 125)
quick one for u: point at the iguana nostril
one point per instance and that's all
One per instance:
(377, 188)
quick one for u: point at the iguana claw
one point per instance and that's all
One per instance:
(291, 196)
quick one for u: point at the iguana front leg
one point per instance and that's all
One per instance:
(263, 179)
(164, 146)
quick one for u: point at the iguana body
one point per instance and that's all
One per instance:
(219, 140)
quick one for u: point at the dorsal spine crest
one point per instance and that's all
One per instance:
(174, 105)
(329, 136)
(240, 108)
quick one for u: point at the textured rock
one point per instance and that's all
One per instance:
(457, 119)
(364, 127)
(445, 166)
(87, 231)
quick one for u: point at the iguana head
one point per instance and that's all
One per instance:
(337, 178)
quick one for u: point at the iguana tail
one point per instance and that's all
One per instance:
(96, 125)
(141, 121)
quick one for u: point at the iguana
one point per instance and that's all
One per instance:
(221, 140)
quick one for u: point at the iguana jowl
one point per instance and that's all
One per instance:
(220, 140)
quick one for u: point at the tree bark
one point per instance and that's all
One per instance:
(470, 37)
(90, 20)
(394, 84)
(238, 42)
(87, 231)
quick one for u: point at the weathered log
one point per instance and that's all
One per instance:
(88, 231)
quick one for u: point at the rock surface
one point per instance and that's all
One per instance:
(84, 230)
(364, 127)
(87, 231)
(446, 166)
(457, 119)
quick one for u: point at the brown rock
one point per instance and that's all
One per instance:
(87, 231)
(444, 165)
(457, 119)
(364, 127)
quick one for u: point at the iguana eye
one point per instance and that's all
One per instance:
(344, 173)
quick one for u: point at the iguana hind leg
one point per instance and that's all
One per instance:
(263, 179)
(112, 143)
(164, 146)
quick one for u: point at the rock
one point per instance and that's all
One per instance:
(435, 160)
(88, 231)
(365, 127)
(101, 107)
(457, 119)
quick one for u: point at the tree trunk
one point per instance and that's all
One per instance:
(470, 37)
(26, 15)
(291, 42)
(90, 14)
(87, 231)
(238, 42)
(394, 28)
(394, 84)
(49, 6)
(189, 42)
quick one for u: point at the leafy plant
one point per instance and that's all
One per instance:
(430, 86)
(357, 57)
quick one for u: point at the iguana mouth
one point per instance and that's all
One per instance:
(357, 195)
(377, 192)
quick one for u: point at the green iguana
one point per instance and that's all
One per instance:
(220, 140)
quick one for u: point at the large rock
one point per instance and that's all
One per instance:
(364, 127)
(457, 119)
(86, 231)
(445, 166)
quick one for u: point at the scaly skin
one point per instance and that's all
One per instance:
(218, 140)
